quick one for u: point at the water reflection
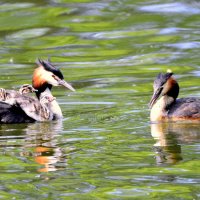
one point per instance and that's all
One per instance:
(43, 137)
(169, 137)
(40, 142)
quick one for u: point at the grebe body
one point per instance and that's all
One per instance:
(165, 105)
(25, 109)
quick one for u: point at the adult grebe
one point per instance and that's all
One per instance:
(168, 107)
(44, 77)
(24, 108)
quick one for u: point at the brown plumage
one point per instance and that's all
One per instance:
(165, 105)
(5, 95)
(39, 110)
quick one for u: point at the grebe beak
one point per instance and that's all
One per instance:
(65, 84)
(155, 96)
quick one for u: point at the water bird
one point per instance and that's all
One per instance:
(164, 104)
(6, 95)
(23, 108)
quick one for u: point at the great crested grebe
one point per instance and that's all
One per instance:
(168, 107)
(23, 108)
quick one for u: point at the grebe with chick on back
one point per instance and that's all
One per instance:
(164, 104)
(20, 108)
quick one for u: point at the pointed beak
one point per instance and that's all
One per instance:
(67, 85)
(155, 96)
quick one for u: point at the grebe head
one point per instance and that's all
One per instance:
(26, 88)
(164, 84)
(46, 75)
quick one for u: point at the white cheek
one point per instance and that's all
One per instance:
(48, 76)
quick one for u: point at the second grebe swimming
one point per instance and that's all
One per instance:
(23, 108)
(164, 104)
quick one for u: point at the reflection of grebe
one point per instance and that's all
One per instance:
(47, 157)
(168, 107)
(37, 143)
(23, 108)
(166, 147)
(170, 136)
(41, 143)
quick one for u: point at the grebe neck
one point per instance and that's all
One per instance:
(160, 109)
(44, 88)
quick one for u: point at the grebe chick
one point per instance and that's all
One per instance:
(164, 104)
(44, 108)
(8, 94)
(27, 88)
(38, 110)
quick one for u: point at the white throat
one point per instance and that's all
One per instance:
(159, 110)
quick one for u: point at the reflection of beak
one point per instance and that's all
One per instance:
(155, 96)
(67, 85)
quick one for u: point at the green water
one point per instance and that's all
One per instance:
(105, 148)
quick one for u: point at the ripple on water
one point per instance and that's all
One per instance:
(28, 33)
(176, 7)
(130, 32)
(185, 45)
(135, 192)
(5, 7)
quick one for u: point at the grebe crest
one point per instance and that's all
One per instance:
(47, 75)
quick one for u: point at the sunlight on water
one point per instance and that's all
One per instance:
(176, 7)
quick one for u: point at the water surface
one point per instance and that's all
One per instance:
(105, 148)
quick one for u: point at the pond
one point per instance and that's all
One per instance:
(105, 147)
